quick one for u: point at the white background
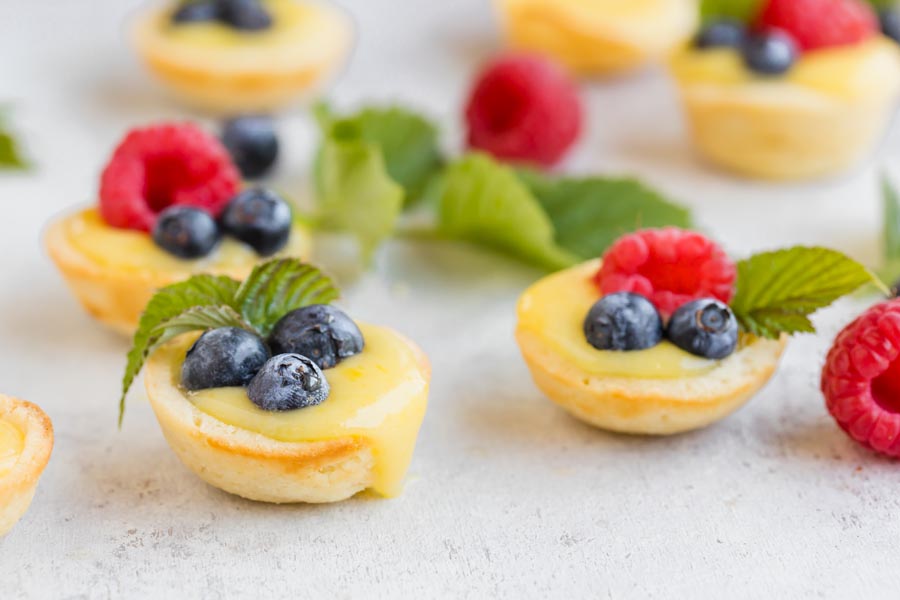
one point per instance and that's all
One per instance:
(507, 496)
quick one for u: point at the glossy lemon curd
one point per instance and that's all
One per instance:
(555, 307)
(846, 72)
(11, 444)
(128, 249)
(379, 395)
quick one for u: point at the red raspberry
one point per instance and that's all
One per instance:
(669, 266)
(157, 166)
(524, 108)
(821, 23)
(861, 379)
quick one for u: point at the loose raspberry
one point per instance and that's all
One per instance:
(524, 108)
(161, 165)
(669, 266)
(861, 379)
(818, 24)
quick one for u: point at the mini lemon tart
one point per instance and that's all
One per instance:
(813, 118)
(288, 401)
(660, 390)
(26, 440)
(598, 37)
(170, 207)
(223, 67)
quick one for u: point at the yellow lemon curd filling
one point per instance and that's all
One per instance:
(12, 441)
(846, 72)
(598, 35)
(379, 395)
(554, 309)
(131, 250)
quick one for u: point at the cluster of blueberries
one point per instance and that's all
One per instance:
(770, 51)
(284, 372)
(248, 15)
(629, 321)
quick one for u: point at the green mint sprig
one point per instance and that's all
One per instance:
(890, 269)
(373, 164)
(203, 302)
(11, 156)
(778, 291)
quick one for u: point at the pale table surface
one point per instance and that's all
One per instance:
(507, 496)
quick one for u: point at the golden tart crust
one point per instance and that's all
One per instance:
(252, 465)
(17, 487)
(657, 406)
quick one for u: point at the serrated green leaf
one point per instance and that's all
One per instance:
(777, 291)
(890, 270)
(590, 213)
(169, 303)
(356, 194)
(742, 10)
(277, 287)
(200, 318)
(408, 141)
(484, 202)
(10, 155)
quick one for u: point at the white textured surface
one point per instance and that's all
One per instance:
(507, 495)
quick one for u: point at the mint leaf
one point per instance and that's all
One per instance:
(167, 304)
(203, 302)
(407, 141)
(277, 287)
(591, 213)
(10, 154)
(778, 291)
(484, 202)
(355, 192)
(742, 10)
(890, 270)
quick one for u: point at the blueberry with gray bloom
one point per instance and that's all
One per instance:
(726, 33)
(260, 218)
(186, 232)
(247, 15)
(890, 23)
(770, 52)
(623, 321)
(288, 382)
(196, 11)
(704, 327)
(228, 356)
(320, 331)
(252, 143)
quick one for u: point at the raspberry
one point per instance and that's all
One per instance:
(669, 266)
(861, 379)
(161, 165)
(525, 109)
(818, 24)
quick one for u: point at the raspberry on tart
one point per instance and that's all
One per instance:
(861, 379)
(524, 108)
(669, 266)
(817, 24)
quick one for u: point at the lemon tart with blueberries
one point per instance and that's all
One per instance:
(26, 441)
(170, 207)
(237, 56)
(593, 37)
(653, 339)
(279, 396)
(803, 90)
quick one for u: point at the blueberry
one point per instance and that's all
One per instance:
(704, 327)
(223, 357)
(186, 232)
(252, 143)
(890, 23)
(770, 52)
(287, 382)
(623, 321)
(260, 218)
(249, 15)
(196, 11)
(322, 332)
(726, 33)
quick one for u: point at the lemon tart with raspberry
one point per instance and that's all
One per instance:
(654, 339)
(238, 56)
(26, 441)
(313, 408)
(785, 98)
(593, 37)
(170, 207)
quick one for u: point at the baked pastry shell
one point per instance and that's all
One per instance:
(18, 486)
(254, 466)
